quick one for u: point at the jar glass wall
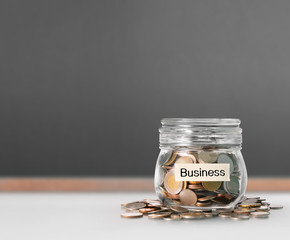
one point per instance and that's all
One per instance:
(200, 165)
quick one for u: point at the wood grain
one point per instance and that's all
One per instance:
(118, 184)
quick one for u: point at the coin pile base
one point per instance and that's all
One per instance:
(155, 209)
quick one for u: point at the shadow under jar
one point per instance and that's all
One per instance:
(200, 165)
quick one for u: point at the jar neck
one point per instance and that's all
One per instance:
(200, 133)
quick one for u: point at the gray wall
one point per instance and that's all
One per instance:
(84, 84)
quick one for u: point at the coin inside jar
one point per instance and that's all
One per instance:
(186, 159)
(208, 157)
(187, 197)
(211, 186)
(172, 186)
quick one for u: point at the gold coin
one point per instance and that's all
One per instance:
(131, 215)
(171, 160)
(203, 204)
(187, 197)
(243, 210)
(192, 182)
(211, 186)
(172, 186)
(246, 204)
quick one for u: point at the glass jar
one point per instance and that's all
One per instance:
(200, 165)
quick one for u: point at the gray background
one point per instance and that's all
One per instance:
(84, 84)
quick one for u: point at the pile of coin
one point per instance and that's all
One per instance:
(192, 193)
(155, 209)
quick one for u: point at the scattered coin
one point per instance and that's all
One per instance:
(275, 206)
(147, 210)
(131, 215)
(254, 209)
(135, 205)
(240, 217)
(178, 209)
(159, 215)
(192, 215)
(260, 214)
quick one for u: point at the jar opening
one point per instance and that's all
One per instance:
(196, 132)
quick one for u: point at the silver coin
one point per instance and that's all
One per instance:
(208, 157)
(240, 217)
(232, 186)
(260, 214)
(223, 158)
(272, 206)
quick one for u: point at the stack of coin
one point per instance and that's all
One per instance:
(198, 194)
(155, 209)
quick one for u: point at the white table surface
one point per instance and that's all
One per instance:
(97, 216)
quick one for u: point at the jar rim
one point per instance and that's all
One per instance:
(201, 121)
(184, 132)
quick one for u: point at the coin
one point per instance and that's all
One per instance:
(173, 217)
(178, 209)
(131, 215)
(232, 186)
(192, 215)
(262, 209)
(208, 157)
(243, 210)
(276, 206)
(195, 186)
(203, 204)
(172, 186)
(210, 197)
(240, 217)
(193, 182)
(223, 158)
(135, 205)
(186, 159)
(260, 214)
(171, 160)
(247, 204)
(159, 215)
(211, 186)
(225, 214)
(147, 210)
(187, 197)
(173, 196)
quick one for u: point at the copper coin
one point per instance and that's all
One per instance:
(159, 215)
(147, 210)
(187, 197)
(131, 215)
(207, 198)
(195, 186)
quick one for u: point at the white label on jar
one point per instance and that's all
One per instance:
(202, 172)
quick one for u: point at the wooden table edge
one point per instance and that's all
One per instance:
(117, 184)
